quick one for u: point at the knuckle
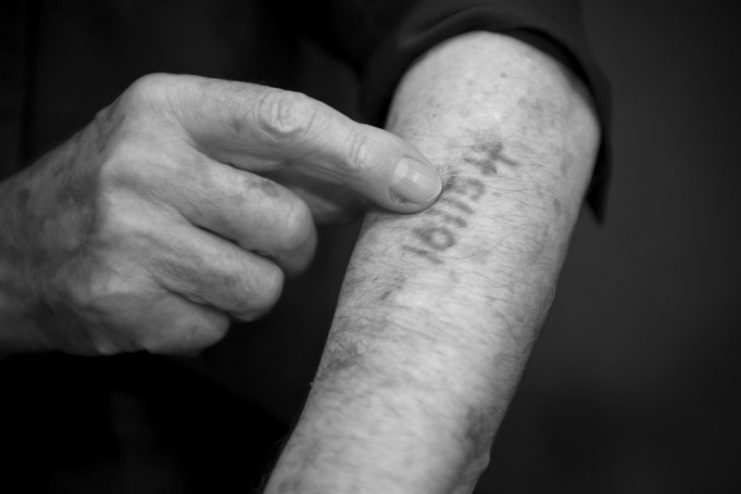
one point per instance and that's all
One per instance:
(102, 278)
(360, 154)
(148, 90)
(152, 94)
(117, 224)
(97, 296)
(124, 233)
(285, 114)
(109, 121)
(138, 165)
(124, 171)
(123, 153)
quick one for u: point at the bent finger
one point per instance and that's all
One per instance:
(207, 270)
(256, 213)
(181, 327)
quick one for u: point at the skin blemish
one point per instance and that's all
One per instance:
(237, 125)
(565, 165)
(22, 198)
(251, 183)
(433, 102)
(268, 187)
(557, 206)
(78, 190)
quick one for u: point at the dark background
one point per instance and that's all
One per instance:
(634, 385)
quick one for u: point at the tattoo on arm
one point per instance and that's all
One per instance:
(449, 215)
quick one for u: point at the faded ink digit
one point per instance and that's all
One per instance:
(449, 218)
(461, 206)
(484, 166)
(496, 153)
(422, 253)
(438, 238)
(487, 155)
(472, 188)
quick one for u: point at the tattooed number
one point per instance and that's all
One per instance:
(456, 204)
(450, 211)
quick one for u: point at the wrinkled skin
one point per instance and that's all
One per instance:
(156, 224)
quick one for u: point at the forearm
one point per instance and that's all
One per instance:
(439, 310)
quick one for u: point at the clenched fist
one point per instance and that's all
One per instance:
(156, 224)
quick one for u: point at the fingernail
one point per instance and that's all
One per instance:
(416, 182)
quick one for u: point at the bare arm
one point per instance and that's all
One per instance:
(439, 310)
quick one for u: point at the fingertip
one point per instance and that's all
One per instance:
(415, 184)
(296, 261)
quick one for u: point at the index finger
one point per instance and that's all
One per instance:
(261, 128)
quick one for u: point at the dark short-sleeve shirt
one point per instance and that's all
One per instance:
(381, 38)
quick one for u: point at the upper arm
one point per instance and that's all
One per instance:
(494, 112)
(382, 38)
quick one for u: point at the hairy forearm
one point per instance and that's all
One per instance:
(439, 310)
